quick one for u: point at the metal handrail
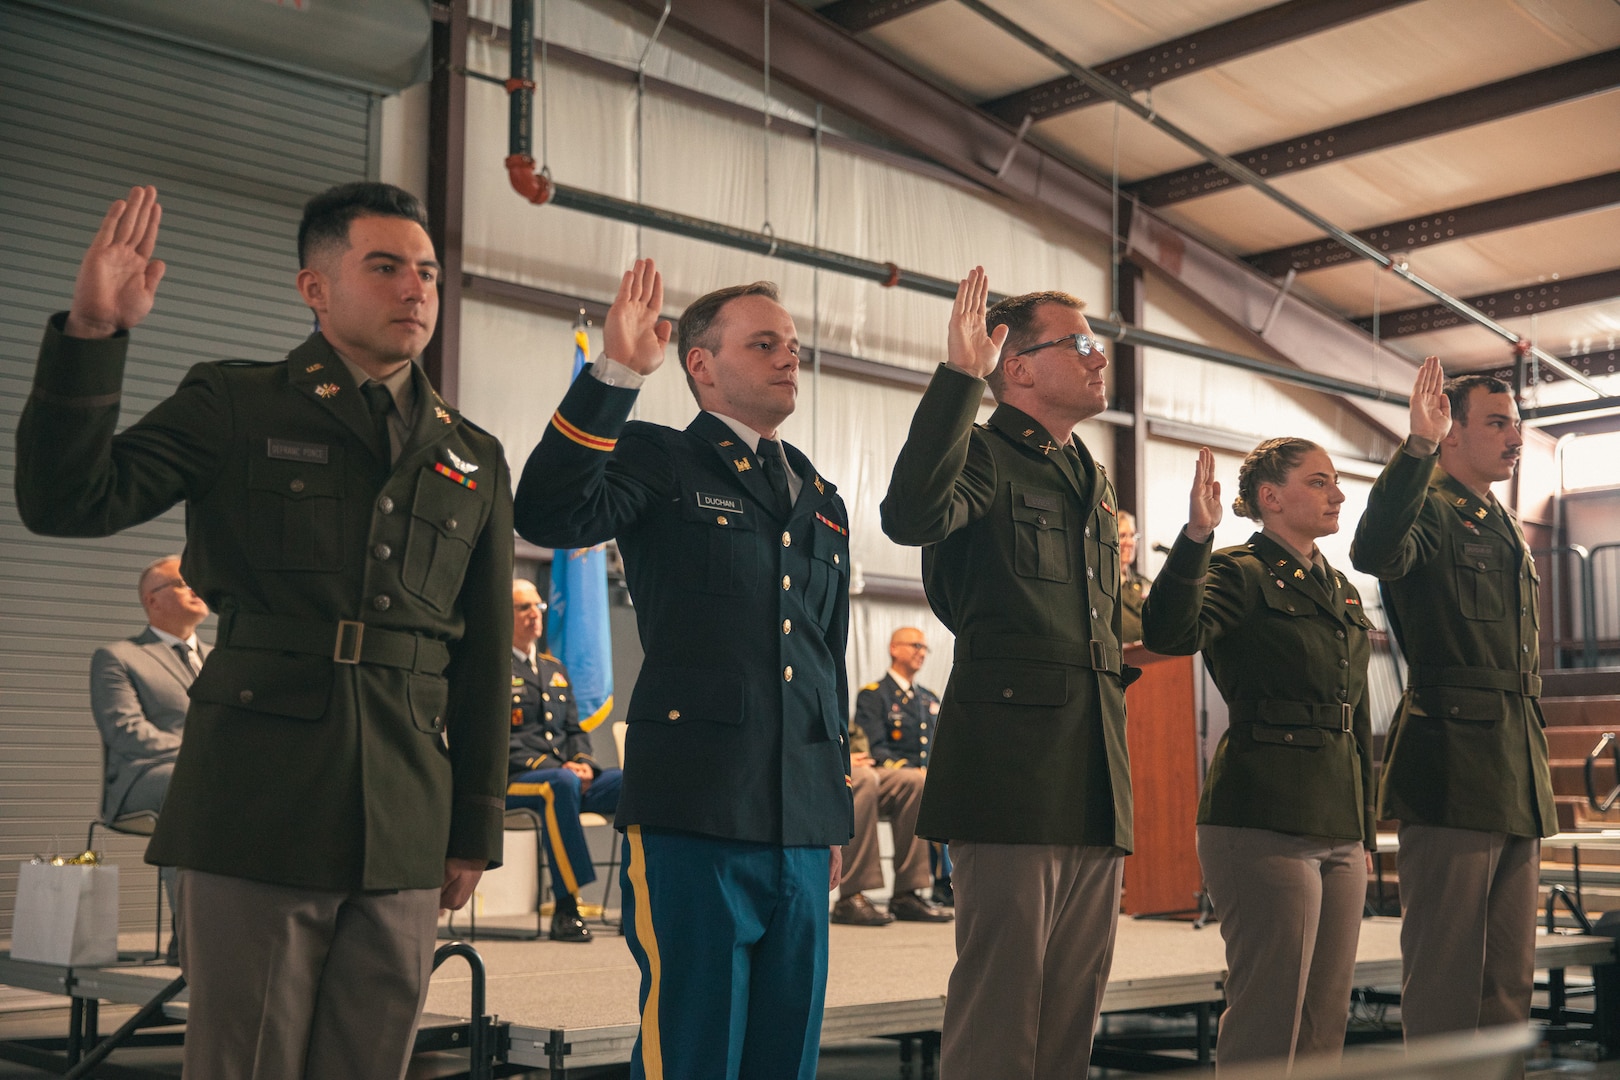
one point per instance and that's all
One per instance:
(480, 1059)
(1609, 801)
(1585, 595)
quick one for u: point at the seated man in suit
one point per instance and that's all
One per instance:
(896, 720)
(550, 768)
(138, 694)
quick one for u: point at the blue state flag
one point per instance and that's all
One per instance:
(577, 627)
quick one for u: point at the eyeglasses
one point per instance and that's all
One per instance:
(917, 645)
(1084, 344)
(177, 583)
(528, 607)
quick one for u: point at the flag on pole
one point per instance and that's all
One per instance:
(577, 626)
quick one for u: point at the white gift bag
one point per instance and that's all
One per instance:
(66, 914)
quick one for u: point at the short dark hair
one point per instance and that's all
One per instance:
(1462, 387)
(1018, 315)
(697, 329)
(1268, 463)
(327, 216)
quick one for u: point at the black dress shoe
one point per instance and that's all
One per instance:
(909, 907)
(569, 928)
(944, 895)
(857, 910)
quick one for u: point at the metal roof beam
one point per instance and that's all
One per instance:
(1202, 49)
(830, 66)
(1482, 104)
(1512, 303)
(1443, 226)
(858, 15)
(1591, 362)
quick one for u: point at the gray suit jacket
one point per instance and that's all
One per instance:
(138, 691)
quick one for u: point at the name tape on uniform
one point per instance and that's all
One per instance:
(729, 503)
(287, 450)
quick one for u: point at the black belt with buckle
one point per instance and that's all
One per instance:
(347, 641)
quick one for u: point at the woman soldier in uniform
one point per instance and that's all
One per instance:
(1287, 805)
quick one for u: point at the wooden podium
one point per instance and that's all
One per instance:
(1161, 730)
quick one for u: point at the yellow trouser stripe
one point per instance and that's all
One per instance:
(652, 1051)
(559, 852)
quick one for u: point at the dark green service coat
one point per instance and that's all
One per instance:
(297, 769)
(1021, 562)
(1467, 749)
(1290, 658)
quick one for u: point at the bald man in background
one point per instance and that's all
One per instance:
(898, 719)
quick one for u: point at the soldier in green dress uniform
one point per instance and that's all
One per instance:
(1287, 805)
(1021, 562)
(344, 768)
(1465, 764)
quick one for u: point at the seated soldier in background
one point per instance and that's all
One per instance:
(1133, 587)
(551, 770)
(889, 743)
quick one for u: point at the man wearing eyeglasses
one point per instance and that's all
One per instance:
(138, 695)
(899, 719)
(1021, 562)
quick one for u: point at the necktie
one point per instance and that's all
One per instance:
(771, 461)
(1319, 572)
(184, 651)
(379, 401)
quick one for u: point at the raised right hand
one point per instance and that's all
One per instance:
(1204, 504)
(118, 277)
(633, 334)
(968, 347)
(1431, 409)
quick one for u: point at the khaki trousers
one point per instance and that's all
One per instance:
(1290, 914)
(298, 983)
(1468, 930)
(895, 794)
(1035, 927)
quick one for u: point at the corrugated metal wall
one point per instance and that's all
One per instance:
(234, 149)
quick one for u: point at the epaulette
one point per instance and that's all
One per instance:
(542, 654)
(868, 686)
(249, 363)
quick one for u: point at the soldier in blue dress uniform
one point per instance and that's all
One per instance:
(551, 768)
(736, 553)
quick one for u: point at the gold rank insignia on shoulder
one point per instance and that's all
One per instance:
(821, 489)
(870, 686)
(1461, 501)
(742, 465)
(327, 390)
(1299, 575)
(1481, 513)
(726, 442)
(442, 414)
(313, 368)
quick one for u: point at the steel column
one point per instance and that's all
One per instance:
(447, 155)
